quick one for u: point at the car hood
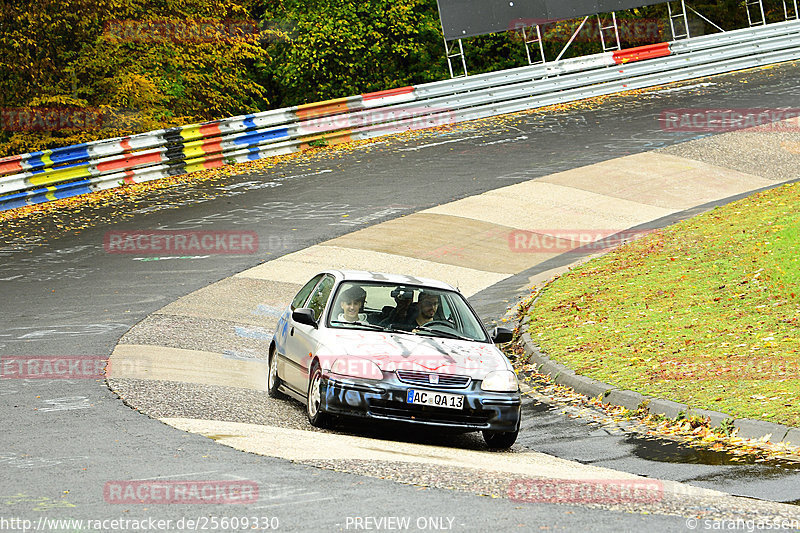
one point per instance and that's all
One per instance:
(396, 351)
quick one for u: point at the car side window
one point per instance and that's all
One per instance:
(302, 296)
(320, 296)
(444, 309)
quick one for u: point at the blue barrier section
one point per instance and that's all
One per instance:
(40, 196)
(252, 139)
(59, 167)
(70, 153)
(249, 121)
(36, 161)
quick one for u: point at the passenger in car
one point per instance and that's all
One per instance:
(352, 303)
(402, 312)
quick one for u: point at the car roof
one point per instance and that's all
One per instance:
(400, 279)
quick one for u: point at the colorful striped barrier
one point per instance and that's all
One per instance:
(80, 169)
(641, 52)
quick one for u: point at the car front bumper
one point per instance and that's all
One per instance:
(386, 400)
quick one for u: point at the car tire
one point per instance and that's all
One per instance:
(500, 440)
(316, 415)
(273, 381)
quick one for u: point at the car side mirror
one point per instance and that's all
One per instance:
(305, 315)
(501, 335)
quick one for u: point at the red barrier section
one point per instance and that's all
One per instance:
(212, 146)
(388, 92)
(10, 164)
(125, 162)
(649, 51)
(321, 109)
(210, 130)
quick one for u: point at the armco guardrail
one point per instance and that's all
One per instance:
(64, 172)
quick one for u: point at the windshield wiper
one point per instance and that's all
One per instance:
(443, 333)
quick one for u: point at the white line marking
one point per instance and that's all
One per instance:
(281, 178)
(501, 141)
(177, 475)
(420, 147)
(687, 87)
(292, 503)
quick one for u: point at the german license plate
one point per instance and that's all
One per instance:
(438, 399)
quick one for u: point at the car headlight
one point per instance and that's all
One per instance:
(500, 381)
(357, 368)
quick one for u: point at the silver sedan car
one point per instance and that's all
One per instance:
(394, 348)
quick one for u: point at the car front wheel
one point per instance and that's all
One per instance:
(500, 440)
(273, 381)
(316, 415)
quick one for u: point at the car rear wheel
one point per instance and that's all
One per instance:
(316, 415)
(273, 381)
(500, 440)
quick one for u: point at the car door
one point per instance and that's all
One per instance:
(302, 338)
(285, 341)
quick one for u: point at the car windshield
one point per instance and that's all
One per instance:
(404, 308)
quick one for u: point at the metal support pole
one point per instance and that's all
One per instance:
(786, 15)
(681, 18)
(531, 40)
(704, 18)
(449, 50)
(602, 30)
(753, 21)
(575, 34)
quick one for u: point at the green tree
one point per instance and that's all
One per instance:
(341, 48)
(146, 65)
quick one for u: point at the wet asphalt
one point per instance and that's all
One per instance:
(63, 295)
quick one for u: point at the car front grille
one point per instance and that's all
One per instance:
(426, 413)
(446, 381)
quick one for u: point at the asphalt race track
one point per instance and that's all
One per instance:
(63, 295)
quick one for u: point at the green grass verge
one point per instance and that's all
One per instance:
(705, 312)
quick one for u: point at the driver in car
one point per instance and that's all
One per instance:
(352, 302)
(427, 305)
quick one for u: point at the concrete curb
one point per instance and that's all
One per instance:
(562, 375)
